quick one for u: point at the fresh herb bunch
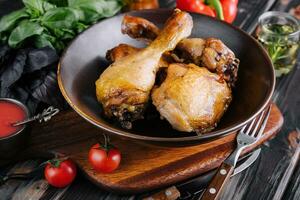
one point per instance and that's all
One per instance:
(282, 48)
(277, 49)
(31, 40)
(53, 22)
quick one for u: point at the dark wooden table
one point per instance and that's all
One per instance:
(275, 175)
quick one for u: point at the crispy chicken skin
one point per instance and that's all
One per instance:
(211, 53)
(191, 98)
(123, 50)
(217, 57)
(191, 50)
(139, 28)
(124, 87)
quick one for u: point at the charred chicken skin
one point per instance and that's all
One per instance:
(124, 87)
(191, 98)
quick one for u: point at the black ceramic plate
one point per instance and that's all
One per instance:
(83, 61)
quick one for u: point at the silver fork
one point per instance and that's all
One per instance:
(247, 136)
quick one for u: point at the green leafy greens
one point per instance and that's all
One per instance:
(24, 30)
(53, 22)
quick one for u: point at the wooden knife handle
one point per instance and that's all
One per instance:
(215, 187)
(170, 193)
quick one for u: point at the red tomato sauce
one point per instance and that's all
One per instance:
(9, 114)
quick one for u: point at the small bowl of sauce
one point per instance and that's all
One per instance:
(12, 138)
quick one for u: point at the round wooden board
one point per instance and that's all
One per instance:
(146, 168)
(142, 167)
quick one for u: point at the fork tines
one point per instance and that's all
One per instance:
(260, 122)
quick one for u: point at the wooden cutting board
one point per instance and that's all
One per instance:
(142, 167)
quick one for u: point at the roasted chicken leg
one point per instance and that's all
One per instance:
(191, 98)
(123, 50)
(210, 53)
(124, 87)
(215, 56)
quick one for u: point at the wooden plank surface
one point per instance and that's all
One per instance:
(271, 177)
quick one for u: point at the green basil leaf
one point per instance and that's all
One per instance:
(73, 3)
(90, 16)
(8, 22)
(111, 8)
(64, 34)
(59, 46)
(80, 27)
(96, 9)
(37, 7)
(25, 30)
(34, 14)
(44, 40)
(62, 17)
(48, 6)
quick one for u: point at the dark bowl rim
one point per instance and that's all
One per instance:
(210, 135)
(26, 112)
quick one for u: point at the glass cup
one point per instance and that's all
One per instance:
(279, 33)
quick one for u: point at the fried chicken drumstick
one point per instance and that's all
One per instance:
(210, 53)
(191, 98)
(124, 87)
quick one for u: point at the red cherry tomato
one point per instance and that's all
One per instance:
(60, 173)
(104, 160)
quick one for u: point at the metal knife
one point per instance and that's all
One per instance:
(196, 186)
